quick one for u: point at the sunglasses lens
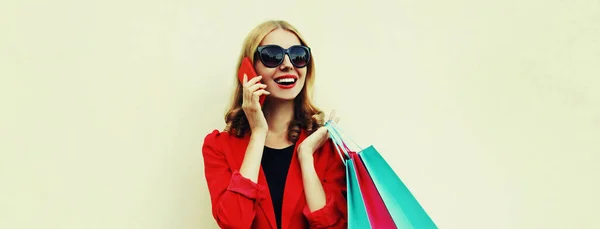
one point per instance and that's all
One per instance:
(271, 56)
(299, 56)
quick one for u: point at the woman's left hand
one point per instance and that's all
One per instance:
(315, 140)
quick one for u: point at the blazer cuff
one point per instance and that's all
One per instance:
(325, 217)
(244, 186)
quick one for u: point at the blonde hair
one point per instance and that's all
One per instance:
(306, 115)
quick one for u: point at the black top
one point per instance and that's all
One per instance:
(275, 164)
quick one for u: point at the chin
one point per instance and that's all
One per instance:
(284, 96)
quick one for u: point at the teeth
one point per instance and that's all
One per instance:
(286, 80)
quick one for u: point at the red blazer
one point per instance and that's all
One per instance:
(237, 202)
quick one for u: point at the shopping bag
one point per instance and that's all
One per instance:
(368, 166)
(379, 216)
(357, 212)
(358, 217)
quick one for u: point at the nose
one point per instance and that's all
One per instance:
(287, 63)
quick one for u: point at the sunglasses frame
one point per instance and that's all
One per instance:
(259, 49)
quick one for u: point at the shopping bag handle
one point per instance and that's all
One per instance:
(337, 142)
(336, 128)
(334, 133)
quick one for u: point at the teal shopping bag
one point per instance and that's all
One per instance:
(404, 209)
(357, 212)
(402, 205)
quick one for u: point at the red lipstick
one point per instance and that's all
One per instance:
(286, 81)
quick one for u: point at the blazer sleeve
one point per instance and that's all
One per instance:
(233, 197)
(334, 213)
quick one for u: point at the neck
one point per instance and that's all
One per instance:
(279, 114)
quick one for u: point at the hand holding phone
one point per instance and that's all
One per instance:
(247, 68)
(253, 111)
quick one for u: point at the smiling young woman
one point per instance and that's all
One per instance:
(268, 157)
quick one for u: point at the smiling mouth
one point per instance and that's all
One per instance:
(286, 81)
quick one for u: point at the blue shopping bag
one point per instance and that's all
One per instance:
(399, 201)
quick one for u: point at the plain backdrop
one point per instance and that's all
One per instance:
(489, 111)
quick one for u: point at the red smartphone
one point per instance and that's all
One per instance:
(247, 68)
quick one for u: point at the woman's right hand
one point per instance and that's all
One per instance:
(252, 90)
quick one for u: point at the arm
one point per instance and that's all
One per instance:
(313, 189)
(251, 164)
(233, 195)
(326, 202)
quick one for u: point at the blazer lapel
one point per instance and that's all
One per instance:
(293, 186)
(264, 199)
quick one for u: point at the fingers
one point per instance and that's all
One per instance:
(257, 86)
(333, 117)
(332, 114)
(253, 87)
(260, 92)
(256, 95)
(251, 81)
(256, 90)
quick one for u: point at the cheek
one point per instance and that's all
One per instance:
(264, 71)
(302, 73)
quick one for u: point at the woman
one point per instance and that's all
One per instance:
(274, 166)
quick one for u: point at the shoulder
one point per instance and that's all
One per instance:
(216, 135)
(215, 139)
(220, 140)
(213, 135)
(221, 146)
(214, 145)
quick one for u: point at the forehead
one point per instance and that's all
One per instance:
(281, 37)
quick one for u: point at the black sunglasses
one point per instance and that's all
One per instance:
(272, 55)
